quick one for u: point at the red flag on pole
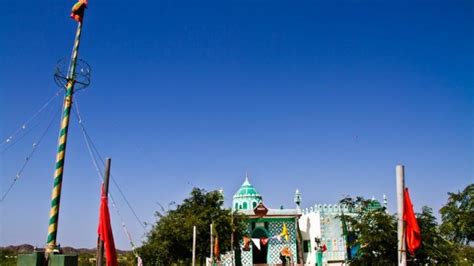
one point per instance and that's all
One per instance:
(77, 11)
(105, 231)
(216, 248)
(412, 230)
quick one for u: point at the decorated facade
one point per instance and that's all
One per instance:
(271, 234)
(322, 231)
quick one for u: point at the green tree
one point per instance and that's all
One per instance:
(458, 224)
(7, 257)
(170, 239)
(458, 216)
(128, 258)
(375, 231)
(464, 255)
(434, 249)
(84, 259)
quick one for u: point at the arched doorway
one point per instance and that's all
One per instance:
(259, 255)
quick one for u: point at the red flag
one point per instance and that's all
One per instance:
(216, 248)
(324, 248)
(412, 230)
(105, 231)
(77, 12)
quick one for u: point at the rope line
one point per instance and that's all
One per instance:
(12, 143)
(29, 156)
(24, 126)
(93, 156)
(111, 176)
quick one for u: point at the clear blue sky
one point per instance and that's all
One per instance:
(324, 97)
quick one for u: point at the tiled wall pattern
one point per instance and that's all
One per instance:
(275, 246)
(246, 255)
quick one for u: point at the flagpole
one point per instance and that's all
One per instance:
(232, 232)
(62, 141)
(100, 243)
(402, 256)
(194, 246)
(210, 254)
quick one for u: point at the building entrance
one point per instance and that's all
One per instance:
(259, 254)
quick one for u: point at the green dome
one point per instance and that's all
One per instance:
(374, 205)
(246, 189)
(246, 198)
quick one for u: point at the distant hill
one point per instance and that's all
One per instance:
(26, 248)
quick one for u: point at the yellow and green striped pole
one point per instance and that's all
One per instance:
(62, 141)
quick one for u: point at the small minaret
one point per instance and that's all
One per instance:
(298, 199)
(385, 202)
(221, 192)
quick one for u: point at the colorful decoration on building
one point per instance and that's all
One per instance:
(284, 232)
(268, 230)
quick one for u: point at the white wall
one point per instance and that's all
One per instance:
(310, 226)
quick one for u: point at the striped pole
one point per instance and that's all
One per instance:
(61, 153)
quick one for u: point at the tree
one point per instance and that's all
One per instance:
(84, 259)
(434, 249)
(458, 216)
(375, 231)
(170, 239)
(7, 257)
(458, 223)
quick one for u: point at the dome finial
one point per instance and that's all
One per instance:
(246, 181)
